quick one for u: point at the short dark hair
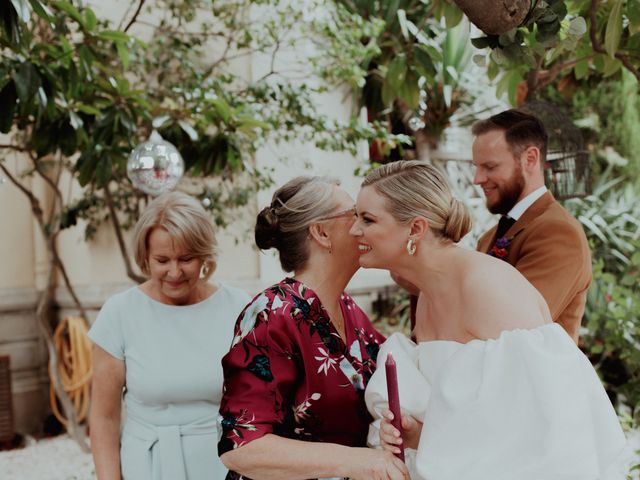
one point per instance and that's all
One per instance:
(521, 130)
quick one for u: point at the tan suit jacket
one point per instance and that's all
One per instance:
(550, 249)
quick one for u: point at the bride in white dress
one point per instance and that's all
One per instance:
(493, 390)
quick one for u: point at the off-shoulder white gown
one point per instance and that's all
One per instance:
(526, 406)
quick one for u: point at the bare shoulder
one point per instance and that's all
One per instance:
(497, 298)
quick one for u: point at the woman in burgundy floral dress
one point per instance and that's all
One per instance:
(303, 351)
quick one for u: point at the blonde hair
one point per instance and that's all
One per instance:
(186, 221)
(284, 225)
(414, 188)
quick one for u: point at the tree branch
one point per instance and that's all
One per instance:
(121, 243)
(42, 314)
(135, 16)
(38, 168)
(35, 203)
(547, 77)
(597, 46)
(44, 307)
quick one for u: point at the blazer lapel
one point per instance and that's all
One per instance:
(531, 213)
(536, 209)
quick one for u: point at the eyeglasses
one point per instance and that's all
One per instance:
(343, 213)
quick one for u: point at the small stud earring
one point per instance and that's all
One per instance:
(411, 247)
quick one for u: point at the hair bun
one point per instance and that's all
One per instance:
(458, 222)
(267, 231)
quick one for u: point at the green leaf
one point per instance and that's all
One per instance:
(402, 20)
(559, 8)
(577, 27)
(114, 36)
(188, 129)
(424, 63)
(8, 97)
(613, 32)
(123, 53)
(481, 42)
(75, 120)
(27, 81)
(592, 227)
(103, 171)
(633, 14)
(245, 121)
(222, 108)
(409, 91)
(42, 98)
(611, 66)
(492, 71)
(452, 15)
(597, 348)
(392, 8)
(86, 61)
(41, 10)
(387, 93)
(90, 19)
(85, 167)
(88, 109)
(69, 9)
(397, 71)
(159, 121)
(598, 62)
(581, 69)
(22, 9)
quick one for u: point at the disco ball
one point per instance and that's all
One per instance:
(155, 166)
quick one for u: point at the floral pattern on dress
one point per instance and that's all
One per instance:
(291, 374)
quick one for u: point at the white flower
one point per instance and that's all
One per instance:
(249, 318)
(355, 351)
(277, 303)
(327, 361)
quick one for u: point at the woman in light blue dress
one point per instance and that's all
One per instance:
(158, 348)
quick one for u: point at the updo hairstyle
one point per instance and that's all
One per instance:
(413, 188)
(187, 223)
(284, 225)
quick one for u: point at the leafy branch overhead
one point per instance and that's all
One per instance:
(579, 37)
(76, 84)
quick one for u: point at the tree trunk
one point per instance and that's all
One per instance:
(50, 230)
(424, 144)
(495, 17)
(43, 312)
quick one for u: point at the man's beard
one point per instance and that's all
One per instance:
(508, 194)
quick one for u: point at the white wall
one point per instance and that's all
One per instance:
(16, 231)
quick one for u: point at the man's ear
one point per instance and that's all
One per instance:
(418, 228)
(319, 233)
(531, 159)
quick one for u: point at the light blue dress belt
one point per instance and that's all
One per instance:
(165, 443)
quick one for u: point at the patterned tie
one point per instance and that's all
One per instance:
(504, 224)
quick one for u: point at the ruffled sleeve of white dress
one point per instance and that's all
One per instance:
(526, 406)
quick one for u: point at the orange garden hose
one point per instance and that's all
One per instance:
(73, 348)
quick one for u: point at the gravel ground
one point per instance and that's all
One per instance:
(60, 458)
(57, 458)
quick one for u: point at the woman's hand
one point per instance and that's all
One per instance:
(370, 464)
(390, 439)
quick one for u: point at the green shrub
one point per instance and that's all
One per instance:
(611, 337)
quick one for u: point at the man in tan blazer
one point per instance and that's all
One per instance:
(538, 236)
